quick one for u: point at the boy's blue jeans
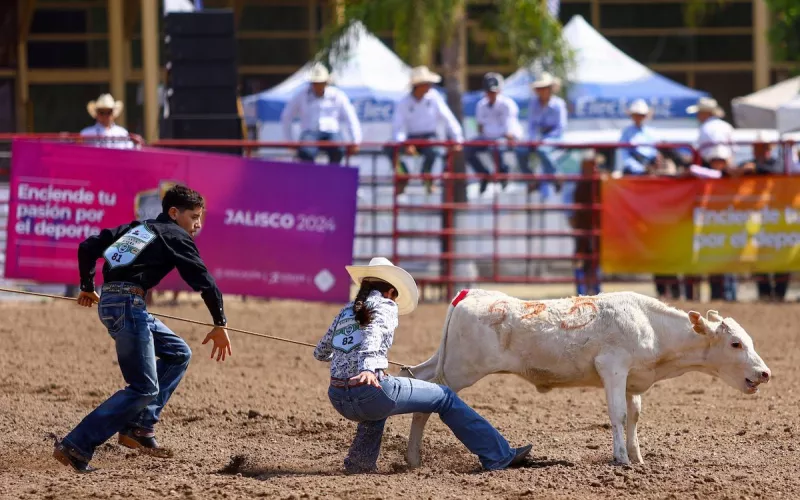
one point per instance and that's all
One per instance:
(140, 339)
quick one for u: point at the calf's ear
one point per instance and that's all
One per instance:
(699, 324)
(713, 315)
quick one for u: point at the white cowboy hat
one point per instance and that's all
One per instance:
(421, 74)
(105, 101)
(706, 104)
(383, 269)
(319, 74)
(639, 107)
(545, 80)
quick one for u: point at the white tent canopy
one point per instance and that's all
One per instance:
(371, 75)
(760, 109)
(602, 83)
(788, 116)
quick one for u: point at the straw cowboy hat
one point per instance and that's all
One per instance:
(706, 104)
(639, 107)
(383, 269)
(421, 74)
(105, 101)
(545, 80)
(319, 74)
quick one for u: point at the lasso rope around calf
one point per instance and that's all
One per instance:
(176, 318)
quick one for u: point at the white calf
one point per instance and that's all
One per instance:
(623, 342)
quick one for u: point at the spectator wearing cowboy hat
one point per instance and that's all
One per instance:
(322, 109)
(105, 110)
(643, 157)
(547, 121)
(498, 118)
(763, 161)
(417, 117)
(716, 135)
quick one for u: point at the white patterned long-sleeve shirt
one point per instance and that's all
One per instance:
(352, 349)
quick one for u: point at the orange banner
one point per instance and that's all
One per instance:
(698, 226)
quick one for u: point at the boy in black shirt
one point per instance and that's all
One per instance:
(137, 257)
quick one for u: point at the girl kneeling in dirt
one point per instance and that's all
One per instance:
(357, 345)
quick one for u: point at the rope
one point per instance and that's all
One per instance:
(186, 320)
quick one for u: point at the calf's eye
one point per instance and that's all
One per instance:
(736, 345)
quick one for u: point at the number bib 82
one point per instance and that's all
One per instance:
(127, 248)
(348, 335)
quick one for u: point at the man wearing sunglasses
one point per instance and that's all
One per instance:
(105, 110)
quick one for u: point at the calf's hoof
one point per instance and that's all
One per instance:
(413, 461)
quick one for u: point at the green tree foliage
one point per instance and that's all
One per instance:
(522, 30)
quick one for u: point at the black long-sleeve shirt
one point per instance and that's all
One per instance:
(143, 254)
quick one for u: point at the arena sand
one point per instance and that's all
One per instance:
(260, 425)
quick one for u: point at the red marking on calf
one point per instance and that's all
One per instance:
(578, 303)
(461, 296)
(538, 308)
(499, 306)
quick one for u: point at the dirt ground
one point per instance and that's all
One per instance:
(267, 406)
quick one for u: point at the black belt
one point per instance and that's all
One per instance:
(123, 288)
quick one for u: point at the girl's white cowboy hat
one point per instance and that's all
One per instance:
(382, 268)
(105, 101)
(319, 74)
(639, 107)
(421, 74)
(545, 80)
(706, 104)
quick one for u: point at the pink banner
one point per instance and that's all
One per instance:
(271, 229)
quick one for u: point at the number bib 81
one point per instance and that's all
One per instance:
(348, 335)
(127, 248)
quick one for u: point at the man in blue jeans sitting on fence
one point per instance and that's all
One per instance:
(497, 117)
(321, 109)
(416, 118)
(547, 121)
(137, 256)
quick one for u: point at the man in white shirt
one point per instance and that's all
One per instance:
(321, 109)
(417, 117)
(106, 134)
(105, 110)
(498, 118)
(716, 135)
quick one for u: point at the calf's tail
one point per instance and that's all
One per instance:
(432, 370)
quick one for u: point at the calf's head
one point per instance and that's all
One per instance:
(731, 354)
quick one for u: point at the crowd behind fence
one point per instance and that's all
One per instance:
(453, 236)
